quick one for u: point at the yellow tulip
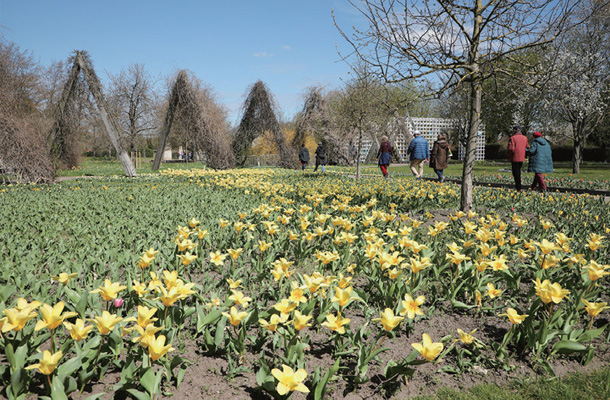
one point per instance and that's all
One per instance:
(187, 258)
(151, 252)
(47, 363)
(300, 320)
(17, 317)
(465, 338)
(289, 381)
(157, 348)
(593, 309)
(109, 290)
(193, 222)
(514, 316)
(596, 270)
(234, 316)
(335, 323)
(234, 253)
(78, 330)
(285, 307)
(145, 261)
(147, 334)
(106, 322)
(64, 277)
(239, 298)
(427, 349)
(492, 292)
(274, 321)
(388, 320)
(145, 316)
(51, 316)
(342, 296)
(410, 307)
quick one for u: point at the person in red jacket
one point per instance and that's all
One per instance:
(516, 154)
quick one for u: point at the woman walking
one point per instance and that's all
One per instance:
(541, 160)
(439, 157)
(384, 155)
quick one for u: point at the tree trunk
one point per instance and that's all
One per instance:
(167, 124)
(93, 83)
(471, 144)
(579, 130)
(359, 152)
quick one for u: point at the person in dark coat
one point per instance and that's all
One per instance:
(516, 154)
(439, 157)
(304, 156)
(541, 160)
(384, 155)
(320, 157)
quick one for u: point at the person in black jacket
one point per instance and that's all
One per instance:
(320, 157)
(304, 156)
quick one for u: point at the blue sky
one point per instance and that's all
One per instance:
(228, 44)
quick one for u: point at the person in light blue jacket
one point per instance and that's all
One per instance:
(419, 149)
(541, 160)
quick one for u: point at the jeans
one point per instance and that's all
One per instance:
(439, 173)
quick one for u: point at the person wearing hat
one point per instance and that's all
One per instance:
(516, 154)
(320, 157)
(419, 151)
(304, 156)
(384, 155)
(541, 160)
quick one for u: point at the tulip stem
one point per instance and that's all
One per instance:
(380, 342)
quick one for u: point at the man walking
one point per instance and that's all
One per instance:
(304, 156)
(516, 154)
(419, 151)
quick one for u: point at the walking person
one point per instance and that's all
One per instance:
(439, 157)
(384, 155)
(516, 154)
(420, 152)
(304, 156)
(541, 160)
(320, 157)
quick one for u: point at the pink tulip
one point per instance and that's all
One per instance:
(118, 302)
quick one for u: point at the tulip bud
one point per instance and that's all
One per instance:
(118, 302)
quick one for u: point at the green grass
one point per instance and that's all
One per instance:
(97, 166)
(580, 386)
(588, 171)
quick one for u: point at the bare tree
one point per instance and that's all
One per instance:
(454, 41)
(133, 102)
(23, 150)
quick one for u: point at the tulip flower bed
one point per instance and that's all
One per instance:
(271, 284)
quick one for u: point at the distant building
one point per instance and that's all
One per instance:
(429, 128)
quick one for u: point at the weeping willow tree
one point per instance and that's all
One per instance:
(195, 109)
(260, 117)
(62, 136)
